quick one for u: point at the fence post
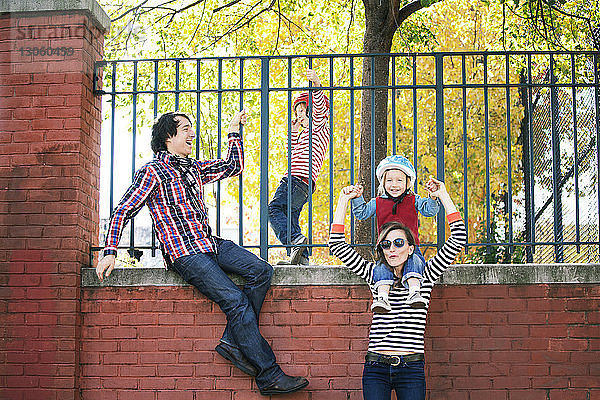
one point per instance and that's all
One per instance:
(439, 134)
(264, 157)
(49, 173)
(526, 155)
(556, 173)
(596, 60)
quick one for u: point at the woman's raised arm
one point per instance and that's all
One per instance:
(346, 194)
(337, 244)
(437, 190)
(458, 237)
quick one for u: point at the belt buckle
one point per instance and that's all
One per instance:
(394, 363)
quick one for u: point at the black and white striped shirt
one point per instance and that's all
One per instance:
(401, 330)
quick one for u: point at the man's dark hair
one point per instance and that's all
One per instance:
(164, 128)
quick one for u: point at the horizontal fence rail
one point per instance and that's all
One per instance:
(513, 134)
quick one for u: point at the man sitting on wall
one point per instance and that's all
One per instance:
(171, 185)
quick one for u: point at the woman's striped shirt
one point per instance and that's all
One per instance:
(402, 329)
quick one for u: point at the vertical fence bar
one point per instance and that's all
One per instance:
(414, 99)
(531, 154)
(556, 173)
(575, 152)
(486, 99)
(331, 144)
(240, 180)
(132, 252)
(219, 140)
(393, 60)
(155, 108)
(596, 59)
(509, 153)
(264, 157)
(439, 132)
(289, 153)
(112, 135)
(155, 114)
(524, 93)
(373, 181)
(352, 113)
(465, 142)
(177, 85)
(311, 182)
(198, 105)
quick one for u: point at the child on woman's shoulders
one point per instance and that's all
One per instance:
(395, 201)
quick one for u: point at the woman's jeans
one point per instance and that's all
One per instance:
(278, 210)
(413, 268)
(407, 379)
(207, 272)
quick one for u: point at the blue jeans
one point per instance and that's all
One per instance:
(278, 210)
(207, 272)
(406, 379)
(413, 268)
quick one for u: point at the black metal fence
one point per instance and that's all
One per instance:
(513, 134)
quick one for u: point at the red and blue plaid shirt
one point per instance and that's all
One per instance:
(182, 227)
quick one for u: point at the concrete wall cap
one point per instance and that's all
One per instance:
(39, 6)
(470, 274)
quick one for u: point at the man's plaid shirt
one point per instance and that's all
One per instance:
(182, 229)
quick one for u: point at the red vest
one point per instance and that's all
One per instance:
(406, 213)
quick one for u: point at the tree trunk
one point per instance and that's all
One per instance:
(382, 17)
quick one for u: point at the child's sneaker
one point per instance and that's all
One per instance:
(381, 305)
(298, 249)
(415, 300)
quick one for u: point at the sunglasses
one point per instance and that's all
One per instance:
(386, 244)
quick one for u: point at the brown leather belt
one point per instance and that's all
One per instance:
(393, 360)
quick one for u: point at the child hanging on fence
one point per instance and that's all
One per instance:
(303, 156)
(396, 202)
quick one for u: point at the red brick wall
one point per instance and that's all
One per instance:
(49, 174)
(483, 342)
(515, 342)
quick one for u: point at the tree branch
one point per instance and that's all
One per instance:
(231, 3)
(278, 25)
(300, 28)
(349, 26)
(189, 6)
(133, 9)
(235, 28)
(198, 25)
(553, 28)
(400, 15)
(503, 26)
(565, 13)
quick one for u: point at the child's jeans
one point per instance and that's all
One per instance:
(413, 268)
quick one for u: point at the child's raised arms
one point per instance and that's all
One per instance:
(433, 186)
(353, 191)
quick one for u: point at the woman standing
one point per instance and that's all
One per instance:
(395, 357)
